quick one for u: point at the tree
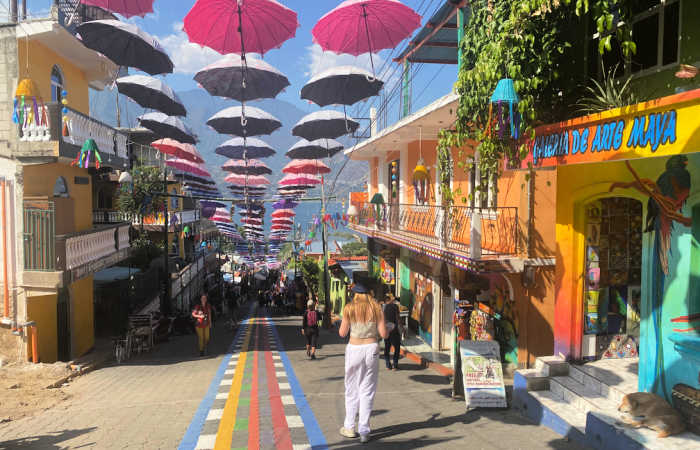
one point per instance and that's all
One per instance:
(313, 277)
(354, 249)
(137, 199)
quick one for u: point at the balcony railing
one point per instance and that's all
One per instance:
(473, 231)
(72, 13)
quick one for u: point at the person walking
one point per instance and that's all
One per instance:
(364, 321)
(309, 328)
(392, 320)
(202, 312)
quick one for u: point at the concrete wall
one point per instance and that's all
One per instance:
(42, 310)
(82, 316)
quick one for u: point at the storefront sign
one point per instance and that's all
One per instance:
(662, 127)
(482, 374)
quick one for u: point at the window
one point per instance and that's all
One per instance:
(104, 199)
(60, 188)
(57, 84)
(484, 194)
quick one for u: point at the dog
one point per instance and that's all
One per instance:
(646, 409)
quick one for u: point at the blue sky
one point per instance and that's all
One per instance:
(298, 58)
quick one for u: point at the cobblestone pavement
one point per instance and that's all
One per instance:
(260, 391)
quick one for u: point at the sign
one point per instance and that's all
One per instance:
(662, 127)
(482, 374)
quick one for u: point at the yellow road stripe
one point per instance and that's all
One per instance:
(224, 435)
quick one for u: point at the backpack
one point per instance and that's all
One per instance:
(311, 318)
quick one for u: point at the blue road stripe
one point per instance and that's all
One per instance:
(313, 431)
(189, 441)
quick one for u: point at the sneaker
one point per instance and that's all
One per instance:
(364, 438)
(347, 433)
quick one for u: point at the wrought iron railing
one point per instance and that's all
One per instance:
(71, 13)
(459, 228)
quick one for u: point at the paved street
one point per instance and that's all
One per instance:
(258, 390)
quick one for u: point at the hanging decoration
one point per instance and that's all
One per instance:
(82, 159)
(29, 110)
(504, 104)
(394, 179)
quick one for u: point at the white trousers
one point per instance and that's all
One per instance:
(361, 373)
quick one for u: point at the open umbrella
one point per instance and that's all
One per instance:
(168, 127)
(320, 148)
(151, 93)
(306, 166)
(253, 147)
(249, 180)
(251, 189)
(292, 179)
(242, 79)
(283, 221)
(254, 123)
(342, 85)
(242, 167)
(281, 227)
(126, 8)
(249, 26)
(178, 149)
(285, 204)
(252, 221)
(126, 45)
(284, 213)
(187, 166)
(328, 124)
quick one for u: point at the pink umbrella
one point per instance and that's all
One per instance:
(284, 213)
(188, 166)
(299, 180)
(252, 221)
(281, 227)
(127, 8)
(243, 26)
(306, 166)
(178, 149)
(282, 220)
(250, 180)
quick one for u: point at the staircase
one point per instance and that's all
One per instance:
(580, 402)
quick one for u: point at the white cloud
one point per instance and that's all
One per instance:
(318, 61)
(187, 57)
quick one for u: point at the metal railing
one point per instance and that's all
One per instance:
(39, 220)
(493, 230)
(71, 13)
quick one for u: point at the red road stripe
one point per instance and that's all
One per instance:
(254, 417)
(283, 440)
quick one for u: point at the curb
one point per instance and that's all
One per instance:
(77, 371)
(439, 368)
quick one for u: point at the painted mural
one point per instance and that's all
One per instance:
(422, 312)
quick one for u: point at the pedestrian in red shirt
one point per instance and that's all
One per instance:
(202, 313)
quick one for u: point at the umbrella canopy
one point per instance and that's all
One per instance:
(225, 78)
(306, 166)
(328, 124)
(211, 204)
(293, 179)
(196, 179)
(284, 213)
(127, 8)
(280, 227)
(187, 166)
(365, 26)
(255, 122)
(178, 149)
(242, 167)
(252, 221)
(126, 45)
(253, 148)
(252, 26)
(283, 221)
(250, 180)
(320, 148)
(200, 187)
(167, 127)
(285, 204)
(343, 85)
(151, 93)
(293, 191)
(251, 189)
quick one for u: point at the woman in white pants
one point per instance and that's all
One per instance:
(363, 319)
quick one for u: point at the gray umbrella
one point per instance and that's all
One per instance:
(168, 126)
(343, 85)
(126, 45)
(225, 78)
(233, 121)
(328, 124)
(151, 93)
(320, 148)
(254, 148)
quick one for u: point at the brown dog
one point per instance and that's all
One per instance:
(646, 409)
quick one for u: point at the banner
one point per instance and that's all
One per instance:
(482, 374)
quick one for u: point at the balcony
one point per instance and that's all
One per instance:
(49, 139)
(52, 260)
(456, 233)
(71, 13)
(154, 223)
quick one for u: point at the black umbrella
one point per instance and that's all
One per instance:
(126, 45)
(344, 85)
(168, 126)
(151, 93)
(254, 148)
(320, 148)
(239, 188)
(232, 121)
(225, 78)
(328, 124)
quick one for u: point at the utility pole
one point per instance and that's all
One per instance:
(165, 303)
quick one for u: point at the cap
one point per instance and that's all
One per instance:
(310, 303)
(359, 288)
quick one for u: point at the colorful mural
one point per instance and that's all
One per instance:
(422, 312)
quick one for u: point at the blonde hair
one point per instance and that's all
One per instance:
(363, 308)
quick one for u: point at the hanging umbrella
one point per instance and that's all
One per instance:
(328, 124)
(200, 187)
(302, 179)
(284, 213)
(249, 26)
(280, 227)
(178, 149)
(283, 221)
(252, 221)
(189, 177)
(306, 166)
(249, 180)
(225, 78)
(151, 93)
(251, 189)
(320, 148)
(187, 166)
(242, 167)
(167, 127)
(254, 148)
(285, 204)
(126, 45)
(209, 203)
(343, 85)
(255, 122)
(126, 8)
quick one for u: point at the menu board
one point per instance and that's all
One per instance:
(482, 374)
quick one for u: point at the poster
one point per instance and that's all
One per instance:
(386, 271)
(482, 374)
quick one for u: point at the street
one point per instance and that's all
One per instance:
(258, 390)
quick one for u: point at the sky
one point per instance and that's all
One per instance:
(298, 58)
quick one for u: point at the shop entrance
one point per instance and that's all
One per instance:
(612, 288)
